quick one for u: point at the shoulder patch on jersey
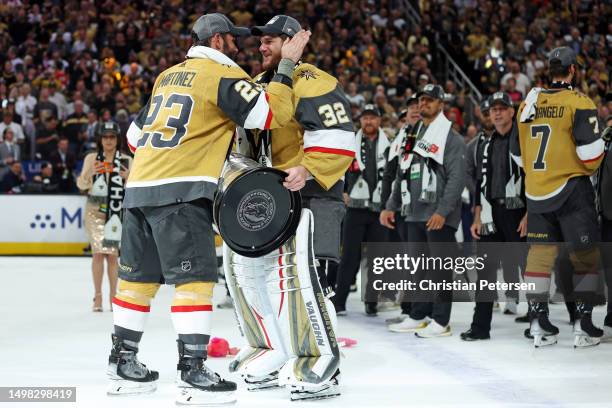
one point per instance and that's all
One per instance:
(307, 74)
(309, 81)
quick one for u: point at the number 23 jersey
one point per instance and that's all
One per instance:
(181, 137)
(561, 143)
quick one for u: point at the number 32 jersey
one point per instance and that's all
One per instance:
(181, 137)
(562, 142)
(320, 137)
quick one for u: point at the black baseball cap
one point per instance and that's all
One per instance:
(108, 127)
(500, 97)
(485, 104)
(278, 25)
(563, 56)
(433, 91)
(210, 24)
(370, 108)
(412, 100)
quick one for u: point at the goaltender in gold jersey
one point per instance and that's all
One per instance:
(296, 345)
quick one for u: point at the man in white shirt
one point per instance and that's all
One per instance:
(7, 122)
(523, 84)
(25, 108)
(59, 100)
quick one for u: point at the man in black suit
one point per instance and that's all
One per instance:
(64, 162)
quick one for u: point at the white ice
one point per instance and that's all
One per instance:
(50, 337)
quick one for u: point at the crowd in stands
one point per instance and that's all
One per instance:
(67, 65)
(506, 44)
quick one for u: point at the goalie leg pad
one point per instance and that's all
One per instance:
(256, 312)
(306, 323)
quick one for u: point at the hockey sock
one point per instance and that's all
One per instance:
(191, 315)
(540, 261)
(132, 306)
(586, 274)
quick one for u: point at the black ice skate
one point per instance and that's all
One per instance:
(328, 389)
(199, 385)
(127, 375)
(543, 331)
(585, 333)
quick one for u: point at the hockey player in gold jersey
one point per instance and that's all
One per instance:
(559, 146)
(315, 148)
(180, 140)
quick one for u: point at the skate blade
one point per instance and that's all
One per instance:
(195, 397)
(543, 341)
(311, 396)
(262, 387)
(582, 341)
(124, 387)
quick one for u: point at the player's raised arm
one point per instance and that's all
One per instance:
(252, 107)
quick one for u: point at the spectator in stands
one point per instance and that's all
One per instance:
(354, 98)
(59, 100)
(64, 163)
(44, 108)
(514, 93)
(25, 108)
(44, 183)
(47, 137)
(76, 98)
(13, 180)
(8, 105)
(523, 84)
(75, 126)
(7, 122)
(10, 152)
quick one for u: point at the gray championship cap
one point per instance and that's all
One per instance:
(370, 109)
(563, 56)
(433, 91)
(210, 24)
(500, 97)
(278, 25)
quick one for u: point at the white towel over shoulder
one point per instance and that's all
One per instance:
(529, 111)
(433, 142)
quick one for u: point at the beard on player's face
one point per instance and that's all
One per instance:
(270, 49)
(229, 46)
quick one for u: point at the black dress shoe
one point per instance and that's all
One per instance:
(371, 309)
(523, 319)
(472, 335)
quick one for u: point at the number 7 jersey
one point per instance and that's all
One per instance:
(181, 137)
(562, 142)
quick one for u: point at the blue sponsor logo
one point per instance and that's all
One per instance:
(66, 219)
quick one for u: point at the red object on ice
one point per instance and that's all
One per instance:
(218, 347)
(234, 350)
(346, 342)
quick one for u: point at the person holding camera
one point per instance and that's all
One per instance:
(103, 178)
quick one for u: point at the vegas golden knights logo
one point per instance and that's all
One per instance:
(307, 74)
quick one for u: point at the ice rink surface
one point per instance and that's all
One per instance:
(50, 337)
